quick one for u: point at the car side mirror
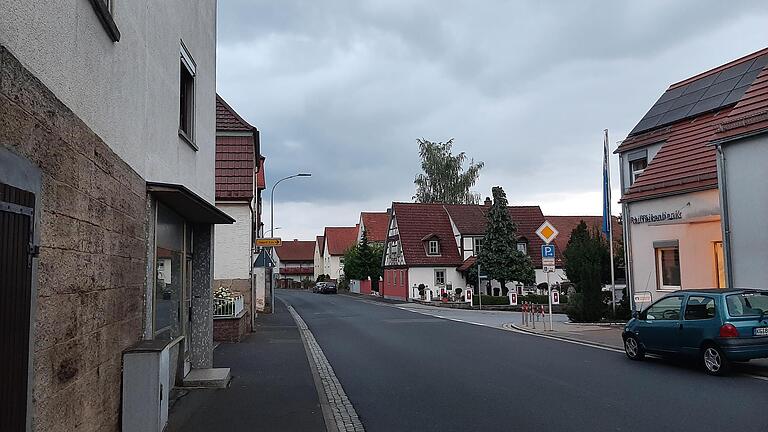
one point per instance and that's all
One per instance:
(635, 314)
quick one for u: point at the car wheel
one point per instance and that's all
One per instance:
(714, 361)
(633, 348)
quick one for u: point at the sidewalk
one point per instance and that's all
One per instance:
(605, 335)
(272, 386)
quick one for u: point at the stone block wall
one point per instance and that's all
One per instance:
(230, 329)
(92, 262)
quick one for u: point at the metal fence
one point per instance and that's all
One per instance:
(228, 307)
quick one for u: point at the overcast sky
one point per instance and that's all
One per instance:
(342, 89)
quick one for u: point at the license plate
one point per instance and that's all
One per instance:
(761, 331)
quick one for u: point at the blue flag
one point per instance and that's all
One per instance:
(606, 187)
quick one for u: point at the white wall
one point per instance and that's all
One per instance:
(747, 195)
(696, 240)
(332, 265)
(426, 276)
(319, 265)
(232, 253)
(126, 91)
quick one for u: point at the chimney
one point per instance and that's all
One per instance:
(487, 202)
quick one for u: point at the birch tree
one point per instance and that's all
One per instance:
(444, 179)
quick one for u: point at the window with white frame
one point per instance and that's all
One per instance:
(187, 96)
(522, 247)
(638, 161)
(439, 277)
(668, 267)
(478, 243)
(433, 247)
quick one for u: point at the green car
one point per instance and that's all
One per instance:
(717, 326)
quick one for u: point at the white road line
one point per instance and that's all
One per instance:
(338, 412)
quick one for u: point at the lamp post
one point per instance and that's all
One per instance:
(272, 227)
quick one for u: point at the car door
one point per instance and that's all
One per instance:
(699, 318)
(658, 329)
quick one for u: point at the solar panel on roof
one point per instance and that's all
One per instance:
(705, 94)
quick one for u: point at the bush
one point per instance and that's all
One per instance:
(490, 300)
(540, 299)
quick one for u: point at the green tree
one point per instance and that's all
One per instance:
(363, 261)
(353, 264)
(499, 257)
(587, 265)
(444, 179)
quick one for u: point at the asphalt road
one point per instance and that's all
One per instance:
(405, 371)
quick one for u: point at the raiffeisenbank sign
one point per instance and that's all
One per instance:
(657, 217)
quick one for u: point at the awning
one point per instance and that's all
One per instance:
(187, 204)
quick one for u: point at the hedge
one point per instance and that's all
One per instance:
(504, 300)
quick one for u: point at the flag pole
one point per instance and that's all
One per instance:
(609, 222)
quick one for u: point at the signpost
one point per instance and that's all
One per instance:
(547, 233)
(269, 242)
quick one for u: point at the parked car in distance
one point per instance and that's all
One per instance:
(717, 326)
(318, 287)
(328, 288)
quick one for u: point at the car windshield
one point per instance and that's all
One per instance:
(745, 304)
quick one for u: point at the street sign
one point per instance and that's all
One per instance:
(642, 297)
(548, 251)
(269, 242)
(555, 297)
(548, 268)
(547, 232)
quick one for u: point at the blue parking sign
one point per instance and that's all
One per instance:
(548, 251)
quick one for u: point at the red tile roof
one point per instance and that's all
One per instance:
(467, 264)
(566, 224)
(340, 239)
(471, 220)
(235, 155)
(296, 250)
(227, 119)
(376, 225)
(750, 115)
(234, 168)
(320, 243)
(261, 182)
(414, 222)
(686, 162)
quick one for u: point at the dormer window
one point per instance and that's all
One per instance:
(638, 161)
(433, 247)
(522, 246)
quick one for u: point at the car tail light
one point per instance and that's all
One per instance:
(728, 330)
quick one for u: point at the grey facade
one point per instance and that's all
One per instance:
(744, 195)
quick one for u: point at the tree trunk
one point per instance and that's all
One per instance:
(375, 284)
(488, 287)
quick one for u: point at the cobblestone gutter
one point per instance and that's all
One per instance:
(338, 411)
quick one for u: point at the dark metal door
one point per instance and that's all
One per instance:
(16, 251)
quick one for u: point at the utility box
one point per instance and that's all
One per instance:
(146, 386)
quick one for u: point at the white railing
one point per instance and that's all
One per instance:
(228, 307)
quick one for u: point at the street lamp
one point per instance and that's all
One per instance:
(272, 200)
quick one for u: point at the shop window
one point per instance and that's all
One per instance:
(439, 277)
(665, 309)
(668, 268)
(434, 247)
(170, 277)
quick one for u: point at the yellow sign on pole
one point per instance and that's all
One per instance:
(269, 242)
(547, 232)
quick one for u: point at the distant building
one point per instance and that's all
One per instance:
(671, 204)
(337, 241)
(319, 263)
(375, 226)
(237, 174)
(436, 245)
(294, 262)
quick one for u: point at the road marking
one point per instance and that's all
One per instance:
(338, 412)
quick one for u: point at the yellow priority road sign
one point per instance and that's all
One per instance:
(269, 242)
(547, 232)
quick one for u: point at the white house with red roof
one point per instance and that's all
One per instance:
(238, 185)
(375, 226)
(318, 256)
(436, 244)
(671, 203)
(337, 241)
(294, 262)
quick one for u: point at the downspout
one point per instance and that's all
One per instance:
(724, 219)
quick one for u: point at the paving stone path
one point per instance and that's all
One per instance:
(338, 411)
